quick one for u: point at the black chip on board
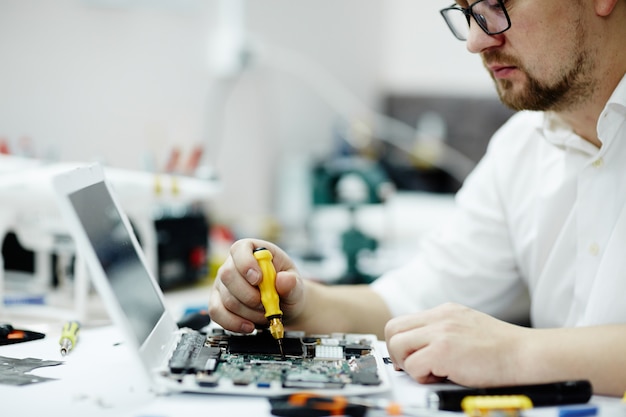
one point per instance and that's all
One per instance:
(263, 344)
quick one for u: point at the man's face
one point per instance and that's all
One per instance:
(544, 61)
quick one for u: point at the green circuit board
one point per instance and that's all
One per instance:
(309, 362)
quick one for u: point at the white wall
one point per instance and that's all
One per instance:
(421, 55)
(116, 79)
(88, 82)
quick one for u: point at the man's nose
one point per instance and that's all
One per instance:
(478, 40)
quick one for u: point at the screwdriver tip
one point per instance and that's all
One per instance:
(282, 351)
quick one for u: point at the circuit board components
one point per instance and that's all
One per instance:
(309, 361)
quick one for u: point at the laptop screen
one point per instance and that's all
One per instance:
(114, 248)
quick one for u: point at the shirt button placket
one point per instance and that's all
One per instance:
(594, 248)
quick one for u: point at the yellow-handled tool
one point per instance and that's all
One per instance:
(269, 296)
(69, 336)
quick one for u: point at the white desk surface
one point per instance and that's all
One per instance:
(99, 378)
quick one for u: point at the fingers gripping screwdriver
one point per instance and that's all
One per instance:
(269, 296)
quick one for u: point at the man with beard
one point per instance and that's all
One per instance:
(539, 233)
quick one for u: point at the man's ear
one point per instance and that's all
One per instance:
(605, 7)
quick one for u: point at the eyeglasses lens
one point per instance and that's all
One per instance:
(490, 15)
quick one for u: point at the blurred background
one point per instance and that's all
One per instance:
(333, 127)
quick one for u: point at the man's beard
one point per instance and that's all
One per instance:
(572, 88)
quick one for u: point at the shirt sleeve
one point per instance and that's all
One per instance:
(469, 260)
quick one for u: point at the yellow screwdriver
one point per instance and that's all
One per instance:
(269, 296)
(69, 336)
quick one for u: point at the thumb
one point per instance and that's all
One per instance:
(288, 286)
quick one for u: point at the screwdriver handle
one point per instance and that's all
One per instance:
(69, 336)
(267, 286)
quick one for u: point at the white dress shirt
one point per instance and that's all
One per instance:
(539, 231)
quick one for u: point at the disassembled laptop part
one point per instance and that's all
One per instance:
(310, 362)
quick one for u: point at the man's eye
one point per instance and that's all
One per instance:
(480, 19)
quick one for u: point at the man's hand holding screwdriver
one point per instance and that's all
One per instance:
(235, 301)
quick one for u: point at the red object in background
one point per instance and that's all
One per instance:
(4, 146)
(197, 257)
(194, 160)
(173, 161)
(221, 233)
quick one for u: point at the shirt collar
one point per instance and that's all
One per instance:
(560, 134)
(613, 115)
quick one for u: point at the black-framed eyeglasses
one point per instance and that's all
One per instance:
(490, 15)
